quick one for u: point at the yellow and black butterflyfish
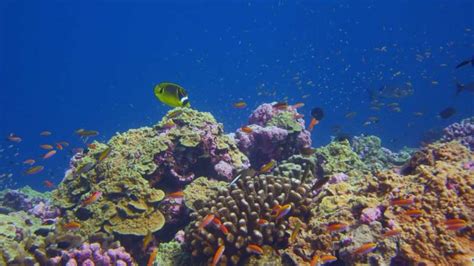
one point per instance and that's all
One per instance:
(172, 94)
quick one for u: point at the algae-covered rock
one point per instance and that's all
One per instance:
(200, 191)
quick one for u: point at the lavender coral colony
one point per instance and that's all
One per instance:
(185, 193)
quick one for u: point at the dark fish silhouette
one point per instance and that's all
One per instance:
(466, 62)
(464, 87)
(447, 113)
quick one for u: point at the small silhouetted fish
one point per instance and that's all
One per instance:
(447, 113)
(466, 62)
(464, 87)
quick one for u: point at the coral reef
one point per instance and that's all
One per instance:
(200, 191)
(276, 133)
(435, 187)
(171, 254)
(135, 169)
(376, 157)
(245, 210)
(462, 131)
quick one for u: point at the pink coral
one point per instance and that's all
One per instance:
(370, 214)
(93, 254)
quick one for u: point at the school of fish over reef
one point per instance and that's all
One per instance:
(182, 192)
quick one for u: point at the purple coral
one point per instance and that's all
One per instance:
(462, 131)
(338, 178)
(20, 201)
(173, 209)
(275, 134)
(370, 214)
(93, 254)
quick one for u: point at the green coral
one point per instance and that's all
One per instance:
(171, 254)
(286, 120)
(19, 232)
(200, 191)
(339, 158)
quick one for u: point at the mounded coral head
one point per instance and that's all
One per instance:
(239, 208)
(462, 132)
(277, 133)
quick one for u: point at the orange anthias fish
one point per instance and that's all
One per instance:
(206, 221)
(455, 224)
(176, 195)
(295, 232)
(402, 202)
(313, 123)
(48, 184)
(246, 129)
(218, 255)
(91, 146)
(59, 146)
(337, 227)
(64, 143)
(45, 133)
(267, 167)
(46, 147)
(240, 105)
(146, 240)
(14, 138)
(29, 161)
(327, 259)
(72, 226)
(317, 115)
(152, 257)
(414, 213)
(364, 249)
(223, 229)
(34, 170)
(87, 133)
(92, 198)
(49, 154)
(298, 105)
(253, 248)
(314, 260)
(393, 232)
(261, 221)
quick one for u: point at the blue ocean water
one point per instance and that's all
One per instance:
(66, 65)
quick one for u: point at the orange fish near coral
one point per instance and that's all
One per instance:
(218, 255)
(314, 260)
(283, 211)
(246, 129)
(104, 154)
(261, 221)
(46, 147)
(414, 213)
(364, 249)
(337, 227)
(455, 224)
(147, 240)
(92, 198)
(48, 184)
(176, 195)
(34, 170)
(223, 229)
(252, 248)
(49, 154)
(402, 202)
(280, 106)
(393, 232)
(327, 259)
(152, 257)
(29, 161)
(298, 105)
(72, 226)
(206, 221)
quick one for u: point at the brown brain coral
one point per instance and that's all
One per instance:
(239, 208)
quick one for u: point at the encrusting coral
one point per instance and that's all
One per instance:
(396, 218)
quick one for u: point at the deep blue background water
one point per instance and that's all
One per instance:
(93, 65)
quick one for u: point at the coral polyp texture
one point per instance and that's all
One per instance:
(245, 209)
(396, 218)
(276, 133)
(93, 254)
